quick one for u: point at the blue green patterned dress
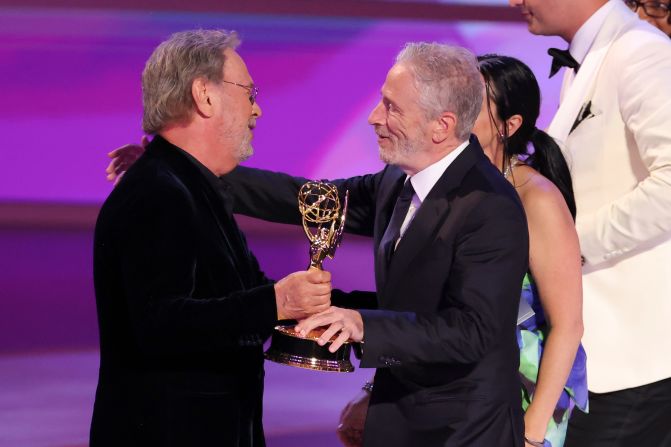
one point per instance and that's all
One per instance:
(531, 335)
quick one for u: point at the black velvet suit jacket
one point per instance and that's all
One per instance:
(443, 337)
(183, 311)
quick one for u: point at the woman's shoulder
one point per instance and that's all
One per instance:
(540, 197)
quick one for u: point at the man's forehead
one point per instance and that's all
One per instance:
(399, 79)
(399, 71)
(232, 57)
(234, 64)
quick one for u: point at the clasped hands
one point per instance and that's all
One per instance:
(306, 296)
(344, 324)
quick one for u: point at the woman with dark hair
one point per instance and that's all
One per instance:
(552, 361)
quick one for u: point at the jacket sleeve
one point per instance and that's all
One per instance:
(273, 196)
(480, 301)
(158, 271)
(354, 300)
(642, 215)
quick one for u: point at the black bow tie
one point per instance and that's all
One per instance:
(562, 58)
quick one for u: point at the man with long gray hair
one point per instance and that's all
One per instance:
(183, 307)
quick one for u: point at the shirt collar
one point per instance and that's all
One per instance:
(221, 187)
(584, 38)
(424, 180)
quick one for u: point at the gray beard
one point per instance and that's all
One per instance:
(245, 150)
(393, 157)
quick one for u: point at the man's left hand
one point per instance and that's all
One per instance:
(347, 323)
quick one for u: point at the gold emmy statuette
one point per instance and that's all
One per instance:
(323, 222)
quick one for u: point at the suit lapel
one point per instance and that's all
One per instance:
(203, 192)
(390, 188)
(580, 92)
(228, 230)
(430, 216)
(420, 233)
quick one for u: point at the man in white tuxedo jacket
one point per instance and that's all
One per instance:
(614, 123)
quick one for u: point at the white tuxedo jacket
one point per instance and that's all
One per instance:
(620, 160)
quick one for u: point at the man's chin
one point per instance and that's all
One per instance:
(536, 29)
(245, 153)
(385, 156)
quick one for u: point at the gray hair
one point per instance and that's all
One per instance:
(171, 69)
(447, 79)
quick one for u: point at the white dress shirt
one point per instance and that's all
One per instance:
(424, 181)
(584, 38)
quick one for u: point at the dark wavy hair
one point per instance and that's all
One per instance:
(512, 86)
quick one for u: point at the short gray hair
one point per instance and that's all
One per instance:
(171, 69)
(447, 79)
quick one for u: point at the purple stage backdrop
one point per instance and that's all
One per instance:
(71, 89)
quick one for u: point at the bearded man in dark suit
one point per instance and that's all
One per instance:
(183, 307)
(451, 248)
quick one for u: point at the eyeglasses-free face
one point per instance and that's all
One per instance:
(654, 9)
(251, 89)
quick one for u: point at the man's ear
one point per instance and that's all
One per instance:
(444, 127)
(200, 91)
(514, 123)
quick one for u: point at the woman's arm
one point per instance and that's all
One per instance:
(554, 260)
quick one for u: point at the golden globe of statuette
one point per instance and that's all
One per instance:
(323, 222)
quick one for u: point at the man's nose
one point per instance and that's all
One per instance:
(376, 115)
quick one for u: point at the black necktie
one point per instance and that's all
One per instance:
(562, 58)
(393, 231)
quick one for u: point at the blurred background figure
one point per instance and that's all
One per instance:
(655, 12)
(612, 124)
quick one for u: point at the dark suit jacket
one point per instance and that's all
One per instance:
(443, 338)
(183, 311)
